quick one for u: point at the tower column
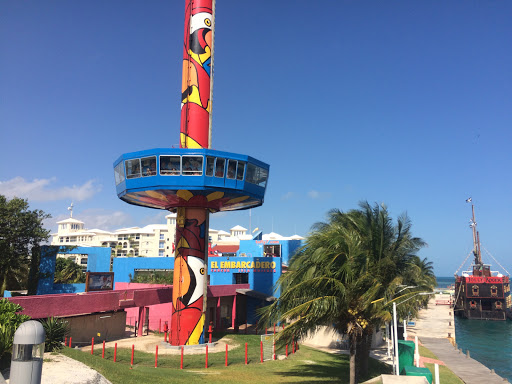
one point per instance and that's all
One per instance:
(190, 276)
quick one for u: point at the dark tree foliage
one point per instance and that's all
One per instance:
(68, 272)
(350, 270)
(21, 232)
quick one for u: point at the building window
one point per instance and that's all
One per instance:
(161, 245)
(137, 236)
(210, 161)
(219, 167)
(231, 169)
(148, 166)
(161, 236)
(192, 165)
(170, 165)
(240, 278)
(161, 253)
(132, 168)
(61, 239)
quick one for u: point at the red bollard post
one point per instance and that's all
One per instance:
(286, 350)
(103, 351)
(261, 351)
(206, 359)
(274, 328)
(66, 341)
(133, 350)
(283, 327)
(210, 332)
(92, 346)
(156, 357)
(181, 364)
(115, 353)
(70, 339)
(226, 355)
(274, 350)
(265, 330)
(245, 353)
(165, 336)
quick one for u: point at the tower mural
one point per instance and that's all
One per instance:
(192, 180)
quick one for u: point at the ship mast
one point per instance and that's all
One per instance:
(476, 238)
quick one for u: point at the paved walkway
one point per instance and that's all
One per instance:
(468, 369)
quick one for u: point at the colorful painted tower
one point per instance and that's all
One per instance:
(193, 180)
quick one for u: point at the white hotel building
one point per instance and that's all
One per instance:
(155, 240)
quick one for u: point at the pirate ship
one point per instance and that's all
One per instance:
(481, 293)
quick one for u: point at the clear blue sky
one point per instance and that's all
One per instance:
(403, 102)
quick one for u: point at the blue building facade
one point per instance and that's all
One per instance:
(98, 260)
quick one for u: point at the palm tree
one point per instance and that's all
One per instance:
(337, 277)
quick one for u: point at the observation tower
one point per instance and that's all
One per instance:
(193, 180)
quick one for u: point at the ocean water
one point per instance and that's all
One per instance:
(489, 342)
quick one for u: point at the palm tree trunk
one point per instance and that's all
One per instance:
(353, 352)
(3, 286)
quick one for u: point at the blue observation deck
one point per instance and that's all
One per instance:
(167, 178)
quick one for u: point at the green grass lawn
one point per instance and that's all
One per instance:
(306, 365)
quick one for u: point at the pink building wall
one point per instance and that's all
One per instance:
(158, 313)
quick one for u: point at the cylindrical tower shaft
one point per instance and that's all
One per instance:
(190, 261)
(196, 89)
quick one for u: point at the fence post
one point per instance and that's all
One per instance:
(245, 353)
(226, 355)
(70, 339)
(206, 359)
(261, 351)
(133, 350)
(103, 351)
(181, 364)
(286, 350)
(92, 346)
(115, 353)
(156, 357)
(66, 341)
(274, 347)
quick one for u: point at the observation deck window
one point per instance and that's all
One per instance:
(132, 168)
(192, 165)
(119, 173)
(220, 163)
(240, 170)
(256, 175)
(170, 165)
(231, 169)
(148, 166)
(210, 162)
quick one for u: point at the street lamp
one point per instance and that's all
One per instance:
(397, 367)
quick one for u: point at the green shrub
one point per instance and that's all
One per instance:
(10, 320)
(56, 330)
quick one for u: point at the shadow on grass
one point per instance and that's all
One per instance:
(332, 370)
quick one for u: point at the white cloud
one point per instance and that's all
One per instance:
(314, 194)
(42, 190)
(287, 196)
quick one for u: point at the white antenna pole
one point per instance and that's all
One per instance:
(70, 209)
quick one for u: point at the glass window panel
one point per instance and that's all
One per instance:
(119, 173)
(170, 165)
(219, 167)
(240, 170)
(231, 169)
(148, 166)
(132, 168)
(210, 161)
(256, 175)
(193, 165)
